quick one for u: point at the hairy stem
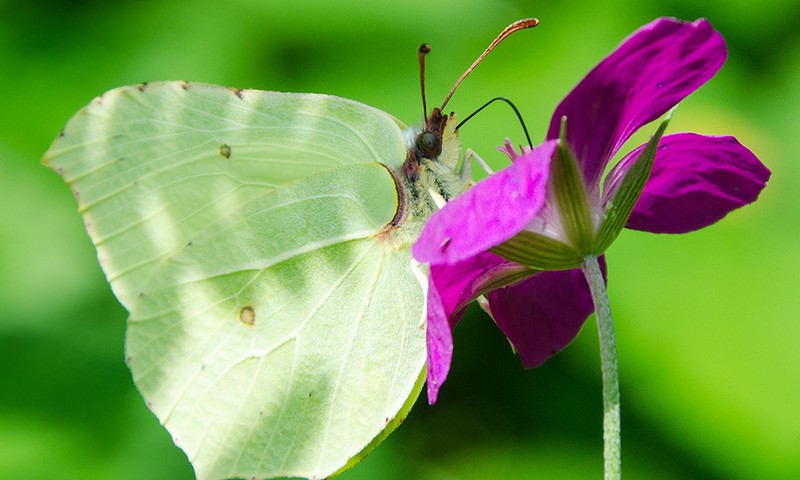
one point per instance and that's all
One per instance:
(608, 356)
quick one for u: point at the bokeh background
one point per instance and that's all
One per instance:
(707, 323)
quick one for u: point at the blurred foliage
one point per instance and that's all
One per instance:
(707, 323)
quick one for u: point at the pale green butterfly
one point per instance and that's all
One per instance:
(261, 243)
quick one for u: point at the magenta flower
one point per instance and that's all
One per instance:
(521, 233)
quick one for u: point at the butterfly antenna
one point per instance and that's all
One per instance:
(423, 50)
(518, 25)
(510, 104)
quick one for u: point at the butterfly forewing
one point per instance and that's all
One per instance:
(153, 165)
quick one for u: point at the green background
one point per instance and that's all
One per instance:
(707, 323)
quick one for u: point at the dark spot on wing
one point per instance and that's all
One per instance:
(225, 151)
(185, 85)
(238, 92)
(247, 315)
(142, 86)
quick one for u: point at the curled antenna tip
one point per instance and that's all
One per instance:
(514, 27)
(424, 48)
(524, 23)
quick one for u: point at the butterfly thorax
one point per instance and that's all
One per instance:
(430, 173)
(431, 166)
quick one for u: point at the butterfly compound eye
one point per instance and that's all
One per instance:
(429, 145)
(427, 141)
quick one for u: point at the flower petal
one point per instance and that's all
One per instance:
(543, 314)
(695, 181)
(489, 213)
(649, 73)
(439, 342)
(450, 289)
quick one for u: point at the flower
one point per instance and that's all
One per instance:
(520, 234)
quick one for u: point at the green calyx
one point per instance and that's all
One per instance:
(567, 188)
(568, 192)
(619, 208)
(539, 252)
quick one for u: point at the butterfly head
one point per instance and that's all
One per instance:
(430, 173)
(428, 143)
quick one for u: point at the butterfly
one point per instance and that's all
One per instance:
(261, 244)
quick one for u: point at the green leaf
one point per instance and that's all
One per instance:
(619, 208)
(275, 326)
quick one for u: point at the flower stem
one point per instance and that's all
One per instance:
(608, 356)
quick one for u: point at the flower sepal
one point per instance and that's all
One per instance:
(539, 252)
(571, 198)
(566, 250)
(623, 190)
